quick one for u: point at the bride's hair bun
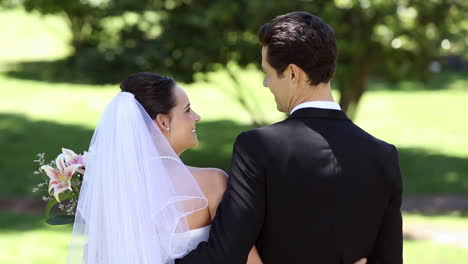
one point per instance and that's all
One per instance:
(154, 92)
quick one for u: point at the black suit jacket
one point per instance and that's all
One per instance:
(314, 188)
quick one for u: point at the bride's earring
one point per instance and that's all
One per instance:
(167, 128)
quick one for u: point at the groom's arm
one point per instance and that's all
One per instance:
(240, 214)
(389, 244)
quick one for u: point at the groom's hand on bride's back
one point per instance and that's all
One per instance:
(361, 261)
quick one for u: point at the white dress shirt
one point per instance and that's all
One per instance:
(317, 104)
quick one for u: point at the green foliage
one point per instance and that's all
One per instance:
(394, 40)
(82, 16)
(49, 207)
(52, 203)
(61, 220)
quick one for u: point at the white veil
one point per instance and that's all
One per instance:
(136, 192)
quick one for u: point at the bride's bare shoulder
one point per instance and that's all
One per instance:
(212, 181)
(208, 174)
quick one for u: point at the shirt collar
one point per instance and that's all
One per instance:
(317, 104)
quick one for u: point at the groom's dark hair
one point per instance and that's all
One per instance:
(302, 39)
(153, 91)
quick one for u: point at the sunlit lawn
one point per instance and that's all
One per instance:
(426, 252)
(419, 251)
(32, 37)
(26, 240)
(449, 221)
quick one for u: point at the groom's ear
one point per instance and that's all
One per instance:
(293, 73)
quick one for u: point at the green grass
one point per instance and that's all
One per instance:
(449, 221)
(425, 252)
(428, 252)
(429, 130)
(29, 37)
(432, 120)
(26, 239)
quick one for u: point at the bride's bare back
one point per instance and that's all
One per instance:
(212, 183)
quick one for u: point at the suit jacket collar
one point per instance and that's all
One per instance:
(312, 112)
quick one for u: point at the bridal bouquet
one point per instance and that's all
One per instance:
(63, 178)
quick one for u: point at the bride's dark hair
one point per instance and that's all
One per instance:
(154, 92)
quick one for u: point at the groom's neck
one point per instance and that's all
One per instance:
(319, 92)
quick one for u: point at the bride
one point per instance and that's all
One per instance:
(139, 203)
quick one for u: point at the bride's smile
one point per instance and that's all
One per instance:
(179, 124)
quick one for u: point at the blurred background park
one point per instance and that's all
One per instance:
(402, 75)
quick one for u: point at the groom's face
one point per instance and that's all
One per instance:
(278, 85)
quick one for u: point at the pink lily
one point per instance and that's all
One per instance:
(72, 158)
(60, 178)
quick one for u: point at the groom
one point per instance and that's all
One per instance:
(314, 188)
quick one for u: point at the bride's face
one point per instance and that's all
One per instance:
(182, 121)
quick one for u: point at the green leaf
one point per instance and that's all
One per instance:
(61, 220)
(49, 207)
(53, 202)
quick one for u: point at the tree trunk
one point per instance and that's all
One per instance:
(352, 91)
(353, 87)
(79, 25)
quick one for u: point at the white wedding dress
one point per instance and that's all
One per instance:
(135, 194)
(194, 237)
